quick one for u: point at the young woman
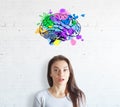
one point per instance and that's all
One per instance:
(63, 91)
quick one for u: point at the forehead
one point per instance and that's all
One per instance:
(60, 63)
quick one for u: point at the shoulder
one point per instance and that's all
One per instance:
(39, 98)
(41, 93)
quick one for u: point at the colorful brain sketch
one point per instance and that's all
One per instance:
(59, 27)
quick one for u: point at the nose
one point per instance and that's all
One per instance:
(60, 72)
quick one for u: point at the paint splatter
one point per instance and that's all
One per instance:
(59, 27)
(83, 15)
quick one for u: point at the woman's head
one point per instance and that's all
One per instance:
(56, 67)
(59, 68)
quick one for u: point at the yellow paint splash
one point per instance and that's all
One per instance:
(57, 42)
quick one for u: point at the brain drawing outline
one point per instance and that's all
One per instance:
(60, 27)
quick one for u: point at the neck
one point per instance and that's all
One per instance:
(58, 91)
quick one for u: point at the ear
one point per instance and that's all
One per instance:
(50, 75)
(69, 76)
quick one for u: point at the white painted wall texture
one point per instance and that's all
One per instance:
(24, 55)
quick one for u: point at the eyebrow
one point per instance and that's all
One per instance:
(58, 67)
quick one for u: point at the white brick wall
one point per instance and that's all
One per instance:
(24, 55)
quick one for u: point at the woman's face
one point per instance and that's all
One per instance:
(60, 73)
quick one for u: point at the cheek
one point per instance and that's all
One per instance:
(53, 76)
(67, 76)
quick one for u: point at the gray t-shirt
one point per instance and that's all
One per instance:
(45, 99)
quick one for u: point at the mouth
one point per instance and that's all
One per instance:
(61, 79)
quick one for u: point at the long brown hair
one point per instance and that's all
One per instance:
(76, 95)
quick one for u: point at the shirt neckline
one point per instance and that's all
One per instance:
(54, 96)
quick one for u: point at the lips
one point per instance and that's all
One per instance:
(61, 79)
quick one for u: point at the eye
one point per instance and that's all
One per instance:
(65, 70)
(55, 70)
